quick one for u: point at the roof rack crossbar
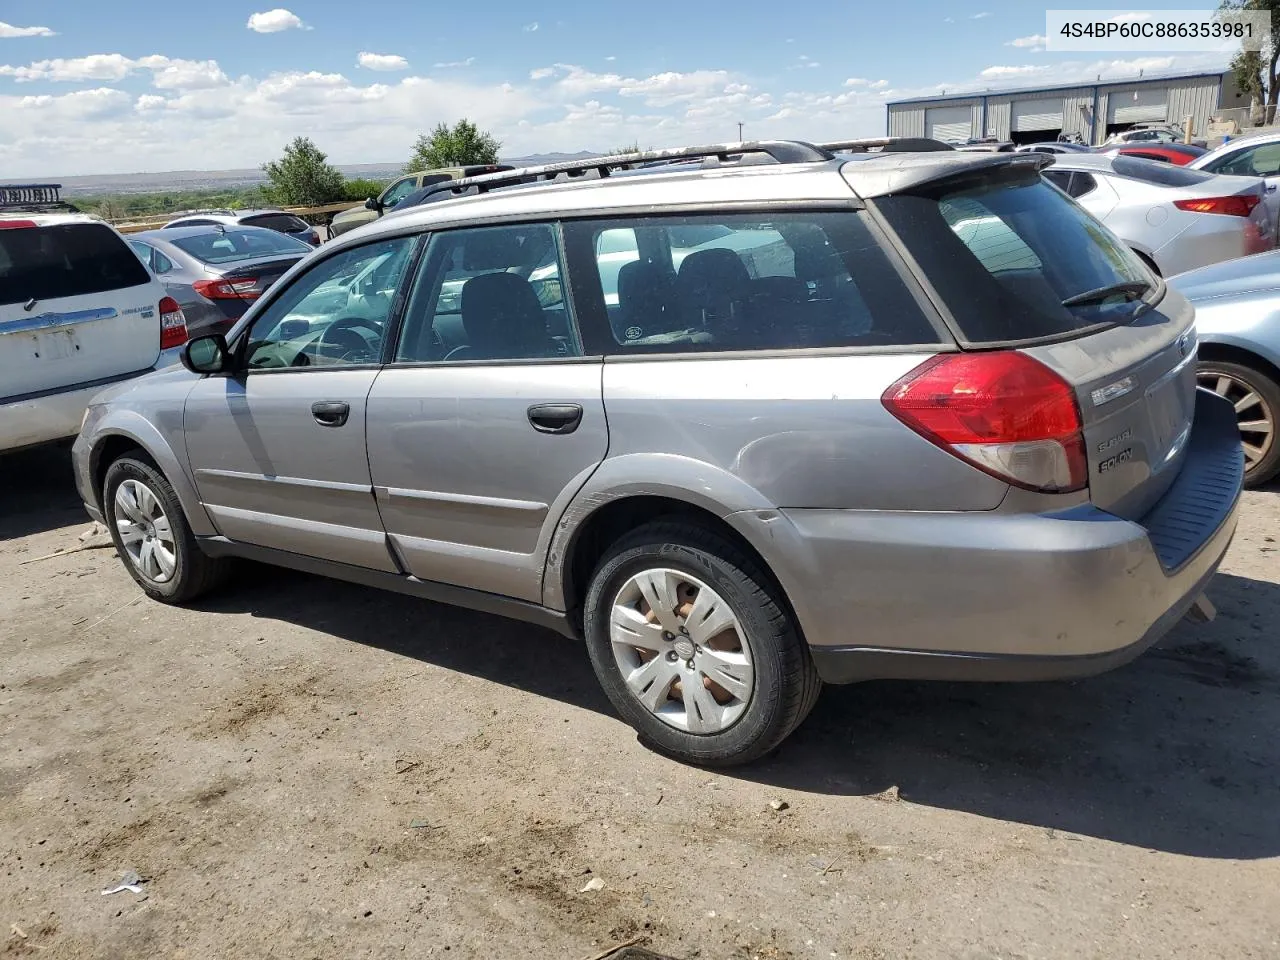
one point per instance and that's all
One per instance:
(782, 151)
(29, 194)
(886, 145)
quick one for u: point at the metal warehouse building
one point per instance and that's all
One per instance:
(1094, 111)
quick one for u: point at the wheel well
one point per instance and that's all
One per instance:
(1228, 353)
(106, 453)
(615, 520)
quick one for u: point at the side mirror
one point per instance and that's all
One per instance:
(373, 203)
(206, 354)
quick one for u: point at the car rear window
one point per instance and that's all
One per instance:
(735, 282)
(66, 260)
(284, 222)
(1005, 251)
(227, 246)
(1161, 174)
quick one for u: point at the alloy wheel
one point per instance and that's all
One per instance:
(145, 531)
(681, 650)
(1254, 417)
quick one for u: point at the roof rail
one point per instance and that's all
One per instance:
(31, 195)
(782, 151)
(886, 145)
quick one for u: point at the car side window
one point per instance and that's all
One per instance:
(160, 263)
(1060, 179)
(1260, 161)
(335, 313)
(143, 251)
(1082, 184)
(398, 191)
(734, 282)
(491, 293)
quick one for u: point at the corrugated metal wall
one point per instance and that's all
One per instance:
(1077, 111)
(1197, 98)
(906, 120)
(998, 118)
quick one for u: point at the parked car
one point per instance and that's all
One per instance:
(1153, 133)
(1252, 156)
(77, 312)
(1179, 154)
(1059, 146)
(397, 190)
(216, 272)
(1238, 322)
(1174, 218)
(809, 470)
(278, 220)
(988, 146)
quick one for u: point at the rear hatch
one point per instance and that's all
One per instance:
(76, 306)
(1016, 265)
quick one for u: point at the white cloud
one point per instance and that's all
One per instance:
(541, 73)
(610, 59)
(167, 73)
(274, 21)
(382, 61)
(980, 16)
(149, 101)
(455, 63)
(9, 30)
(1035, 41)
(1005, 73)
(948, 19)
(531, 27)
(879, 84)
(857, 82)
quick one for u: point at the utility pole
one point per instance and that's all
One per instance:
(739, 131)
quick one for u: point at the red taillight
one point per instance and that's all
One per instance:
(173, 324)
(16, 224)
(1240, 205)
(241, 288)
(1005, 413)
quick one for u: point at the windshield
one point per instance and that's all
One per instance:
(231, 245)
(1004, 255)
(67, 260)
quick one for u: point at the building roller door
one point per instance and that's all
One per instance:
(1031, 115)
(1138, 106)
(949, 123)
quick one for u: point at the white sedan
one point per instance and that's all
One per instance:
(1176, 219)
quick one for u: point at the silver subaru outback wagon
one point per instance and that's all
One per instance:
(743, 427)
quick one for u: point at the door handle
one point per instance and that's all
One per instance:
(555, 417)
(331, 413)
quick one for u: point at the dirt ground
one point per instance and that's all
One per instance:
(305, 769)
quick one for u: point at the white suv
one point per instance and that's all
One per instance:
(78, 311)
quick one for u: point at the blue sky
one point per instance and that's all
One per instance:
(127, 86)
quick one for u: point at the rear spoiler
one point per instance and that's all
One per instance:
(904, 172)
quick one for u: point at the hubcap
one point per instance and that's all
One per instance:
(145, 531)
(1254, 416)
(681, 651)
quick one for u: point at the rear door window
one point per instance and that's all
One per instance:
(228, 246)
(732, 282)
(1005, 253)
(65, 260)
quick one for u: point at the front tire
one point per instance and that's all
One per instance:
(1256, 398)
(695, 647)
(152, 535)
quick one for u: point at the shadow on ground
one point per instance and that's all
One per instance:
(1175, 752)
(37, 492)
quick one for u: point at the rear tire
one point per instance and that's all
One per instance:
(1257, 400)
(732, 699)
(152, 535)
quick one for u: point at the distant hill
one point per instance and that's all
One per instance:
(185, 180)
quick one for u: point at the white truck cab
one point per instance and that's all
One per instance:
(78, 312)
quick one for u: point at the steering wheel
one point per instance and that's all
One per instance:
(342, 335)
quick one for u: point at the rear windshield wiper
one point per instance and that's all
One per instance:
(1135, 287)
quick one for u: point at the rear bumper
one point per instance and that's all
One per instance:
(969, 596)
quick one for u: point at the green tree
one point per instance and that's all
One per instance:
(303, 175)
(463, 143)
(363, 189)
(1256, 70)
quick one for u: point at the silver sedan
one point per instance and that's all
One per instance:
(1174, 218)
(1238, 321)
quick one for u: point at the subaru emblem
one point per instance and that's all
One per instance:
(1184, 344)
